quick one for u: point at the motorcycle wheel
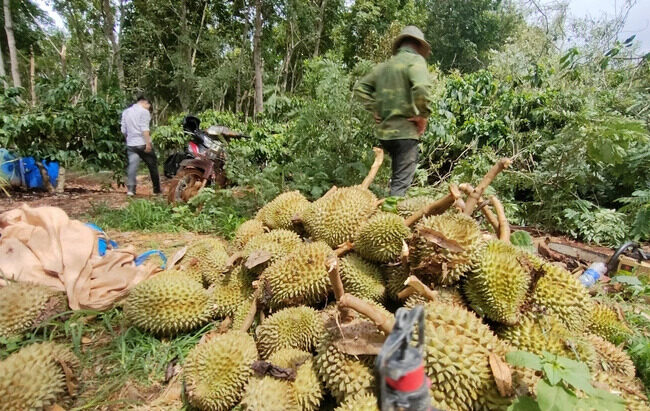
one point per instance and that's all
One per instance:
(185, 185)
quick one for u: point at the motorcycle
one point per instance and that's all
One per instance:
(203, 162)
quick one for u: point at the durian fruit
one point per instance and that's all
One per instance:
(34, 377)
(26, 305)
(280, 212)
(497, 285)
(307, 386)
(246, 231)
(229, 292)
(217, 371)
(559, 294)
(445, 265)
(444, 295)
(269, 394)
(395, 276)
(343, 374)
(336, 217)
(362, 278)
(362, 402)
(457, 349)
(299, 277)
(603, 321)
(629, 389)
(294, 327)
(277, 243)
(610, 358)
(168, 304)
(241, 312)
(408, 206)
(381, 238)
(207, 259)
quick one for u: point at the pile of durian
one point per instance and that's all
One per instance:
(306, 291)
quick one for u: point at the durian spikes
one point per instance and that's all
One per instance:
(383, 322)
(473, 197)
(379, 159)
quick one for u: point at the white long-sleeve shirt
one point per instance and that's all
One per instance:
(135, 121)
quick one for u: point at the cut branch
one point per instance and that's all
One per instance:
(459, 203)
(332, 265)
(406, 293)
(437, 207)
(344, 248)
(404, 257)
(487, 213)
(473, 198)
(504, 226)
(420, 288)
(379, 159)
(383, 322)
(250, 317)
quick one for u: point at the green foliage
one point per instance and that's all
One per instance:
(522, 240)
(562, 379)
(639, 350)
(595, 224)
(637, 207)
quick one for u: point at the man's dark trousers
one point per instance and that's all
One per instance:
(404, 155)
(135, 153)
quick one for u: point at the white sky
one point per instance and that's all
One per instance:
(638, 21)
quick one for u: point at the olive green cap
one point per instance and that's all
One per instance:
(414, 33)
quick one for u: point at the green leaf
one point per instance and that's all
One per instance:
(603, 400)
(555, 397)
(552, 373)
(524, 359)
(627, 280)
(578, 380)
(524, 404)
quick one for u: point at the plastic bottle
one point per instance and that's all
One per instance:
(592, 274)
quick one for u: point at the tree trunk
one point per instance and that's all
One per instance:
(3, 73)
(32, 75)
(63, 54)
(109, 32)
(319, 27)
(118, 58)
(244, 46)
(11, 42)
(257, 59)
(60, 181)
(45, 177)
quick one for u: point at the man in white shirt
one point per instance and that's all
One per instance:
(135, 127)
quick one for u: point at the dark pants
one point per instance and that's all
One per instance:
(404, 154)
(135, 154)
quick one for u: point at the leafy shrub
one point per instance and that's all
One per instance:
(595, 224)
(637, 207)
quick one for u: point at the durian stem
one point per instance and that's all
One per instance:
(404, 257)
(406, 293)
(489, 215)
(504, 226)
(437, 207)
(474, 196)
(420, 288)
(344, 248)
(332, 265)
(459, 203)
(382, 322)
(250, 317)
(234, 259)
(379, 158)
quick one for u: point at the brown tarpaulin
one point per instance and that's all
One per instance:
(42, 245)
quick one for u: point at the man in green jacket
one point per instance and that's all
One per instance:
(398, 94)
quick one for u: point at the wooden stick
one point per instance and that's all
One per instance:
(332, 265)
(419, 287)
(459, 203)
(379, 158)
(382, 322)
(504, 226)
(489, 215)
(473, 198)
(344, 248)
(437, 207)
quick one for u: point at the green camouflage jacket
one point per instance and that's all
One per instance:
(396, 90)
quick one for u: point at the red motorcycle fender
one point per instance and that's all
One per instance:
(206, 166)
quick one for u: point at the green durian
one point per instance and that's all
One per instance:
(269, 394)
(408, 206)
(205, 259)
(34, 378)
(610, 358)
(217, 371)
(277, 243)
(444, 264)
(604, 322)
(307, 386)
(168, 304)
(229, 292)
(381, 238)
(336, 217)
(280, 212)
(361, 402)
(25, 305)
(497, 285)
(246, 231)
(395, 276)
(293, 327)
(299, 277)
(362, 278)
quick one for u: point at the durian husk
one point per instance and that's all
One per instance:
(361, 402)
(630, 389)
(277, 243)
(299, 277)
(497, 285)
(307, 386)
(604, 322)
(206, 259)
(269, 394)
(362, 278)
(24, 306)
(217, 371)
(35, 377)
(395, 276)
(445, 295)
(229, 292)
(611, 358)
(241, 312)
(168, 304)
(444, 265)
(381, 238)
(280, 211)
(246, 231)
(409, 206)
(294, 327)
(336, 217)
